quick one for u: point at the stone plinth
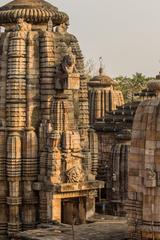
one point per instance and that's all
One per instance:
(70, 82)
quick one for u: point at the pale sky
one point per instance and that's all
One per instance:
(126, 33)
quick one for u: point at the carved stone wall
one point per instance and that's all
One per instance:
(143, 202)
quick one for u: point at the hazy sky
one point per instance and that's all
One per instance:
(125, 32)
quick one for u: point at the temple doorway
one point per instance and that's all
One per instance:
(74, 210)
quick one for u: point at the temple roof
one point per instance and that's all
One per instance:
(119, 119)
(32, 11)
(102, 80)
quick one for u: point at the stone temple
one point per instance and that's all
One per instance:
(45, 159)
(144, 169)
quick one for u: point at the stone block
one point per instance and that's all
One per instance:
(71, 82)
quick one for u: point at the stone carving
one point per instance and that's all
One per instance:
(23, 26)
(93, 194)
(62, 28)
(68, 64)
(150, 178)
(50, 25)
(75, 175)
(150, 174)
(114, 177)
(67, 76)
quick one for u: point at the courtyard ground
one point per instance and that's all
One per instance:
(103, 228)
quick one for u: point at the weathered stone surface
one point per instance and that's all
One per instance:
(113, 144)
(111, 229)
(143, 204)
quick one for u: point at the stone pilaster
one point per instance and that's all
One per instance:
(29, 176)
(47, 64)
(14, 171)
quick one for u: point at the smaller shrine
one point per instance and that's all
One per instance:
(103, 96)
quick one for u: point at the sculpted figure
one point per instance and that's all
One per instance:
(75, 175)
(62, 28)
(114, 177)
(150, 174)
(150, 180)
(68, 64)
(22, 25)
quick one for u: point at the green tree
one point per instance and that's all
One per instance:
(130, 86)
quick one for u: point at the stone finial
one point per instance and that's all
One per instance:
(101, 66)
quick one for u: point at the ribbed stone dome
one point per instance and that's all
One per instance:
(101, 80)
(32, 11)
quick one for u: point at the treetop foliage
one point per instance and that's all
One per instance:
(131, 85)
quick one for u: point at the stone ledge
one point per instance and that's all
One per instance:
(71, 187)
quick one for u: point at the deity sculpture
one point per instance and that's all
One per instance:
(62, 28)
(22, 25)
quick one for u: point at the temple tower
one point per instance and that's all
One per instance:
(103, 96)
(45, 159)
(144, 196)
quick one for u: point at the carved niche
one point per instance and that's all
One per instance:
(75, 175)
